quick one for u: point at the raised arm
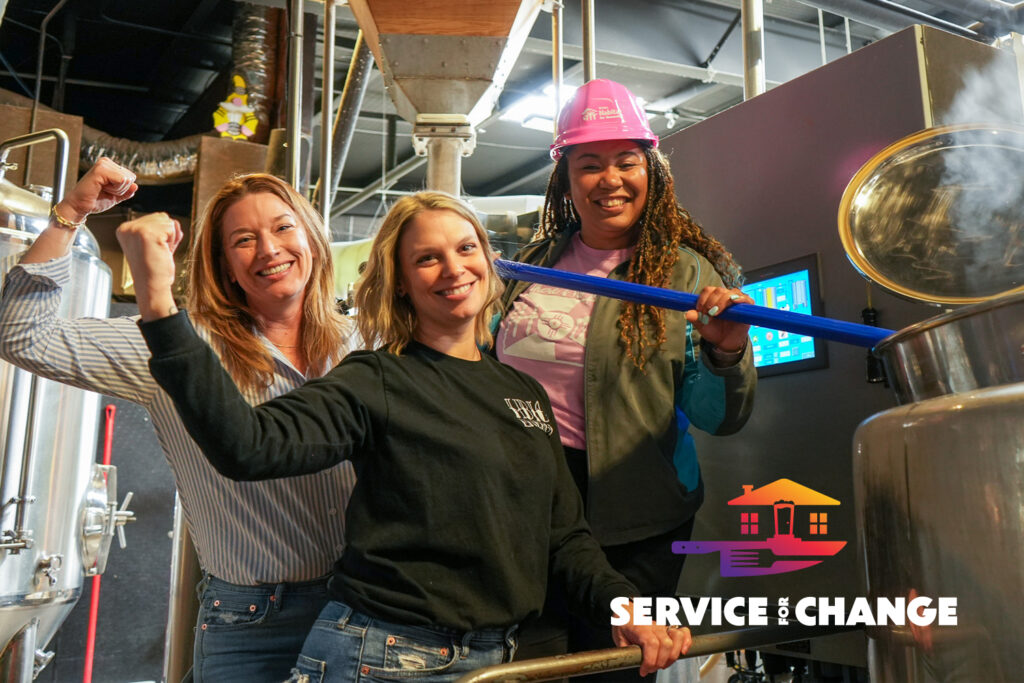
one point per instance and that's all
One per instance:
(104, 355)
(309, 429)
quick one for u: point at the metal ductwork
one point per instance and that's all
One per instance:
(253, 58)
(444, 69)
(154, 163)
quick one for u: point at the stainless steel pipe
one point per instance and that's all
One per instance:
(556, 59)
(61, 163)
(444, 165)
(754, 82)
(326, 114)
(589, 52)
(293, 159)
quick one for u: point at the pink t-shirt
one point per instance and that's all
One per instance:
(545, 333)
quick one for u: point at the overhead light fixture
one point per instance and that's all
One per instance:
(542, 123)
(538, 111)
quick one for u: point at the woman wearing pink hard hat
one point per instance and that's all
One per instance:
(626, 380)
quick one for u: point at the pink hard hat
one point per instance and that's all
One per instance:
(601, 110)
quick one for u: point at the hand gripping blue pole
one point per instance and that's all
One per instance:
(751, 314)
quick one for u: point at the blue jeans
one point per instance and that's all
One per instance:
(253, 633)
(346, 646)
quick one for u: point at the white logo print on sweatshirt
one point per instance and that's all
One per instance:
(530, 414)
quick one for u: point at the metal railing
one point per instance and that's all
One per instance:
(614, 659)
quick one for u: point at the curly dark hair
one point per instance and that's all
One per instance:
(664, 227)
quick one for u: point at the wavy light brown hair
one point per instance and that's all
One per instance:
(664, 227)
(388, 319)
(221, 306)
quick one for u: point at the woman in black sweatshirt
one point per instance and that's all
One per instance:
(464, 506)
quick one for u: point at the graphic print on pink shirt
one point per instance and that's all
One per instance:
(545, 333)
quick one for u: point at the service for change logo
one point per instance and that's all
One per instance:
(783, 528)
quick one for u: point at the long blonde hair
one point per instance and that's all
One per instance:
(221, 306)
(386, 318)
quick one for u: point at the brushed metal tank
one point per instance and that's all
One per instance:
(44, 538)
(939, 491)
(939, 486)
(971, 348)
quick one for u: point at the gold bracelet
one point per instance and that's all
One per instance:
(64, 222)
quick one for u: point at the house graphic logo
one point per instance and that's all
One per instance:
(798, 521)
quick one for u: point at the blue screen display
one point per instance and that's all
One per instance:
(789, 292)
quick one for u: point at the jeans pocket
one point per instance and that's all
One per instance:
(405, 657)
(220, 611)
(308, 670)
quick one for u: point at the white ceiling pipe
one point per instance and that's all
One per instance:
(886, 15)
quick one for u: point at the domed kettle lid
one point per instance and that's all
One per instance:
(938, 216)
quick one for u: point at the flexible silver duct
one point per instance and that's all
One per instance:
(154, 163)
(252, 56)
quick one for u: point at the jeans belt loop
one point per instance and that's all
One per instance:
(345, 618)
(203, 584)
(278, 601)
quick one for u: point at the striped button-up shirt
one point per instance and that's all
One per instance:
(245, 532)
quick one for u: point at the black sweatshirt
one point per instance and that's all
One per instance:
(463, 502)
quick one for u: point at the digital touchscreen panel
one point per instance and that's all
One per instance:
(789, 286)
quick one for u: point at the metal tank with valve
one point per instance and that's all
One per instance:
(939, 481)
(59, 509)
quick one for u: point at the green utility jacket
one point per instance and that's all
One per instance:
(639, 451)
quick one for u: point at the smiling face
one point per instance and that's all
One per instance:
(608, 187)
(267, 252)
(443, 269)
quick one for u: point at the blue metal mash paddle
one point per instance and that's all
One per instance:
(751, 314)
